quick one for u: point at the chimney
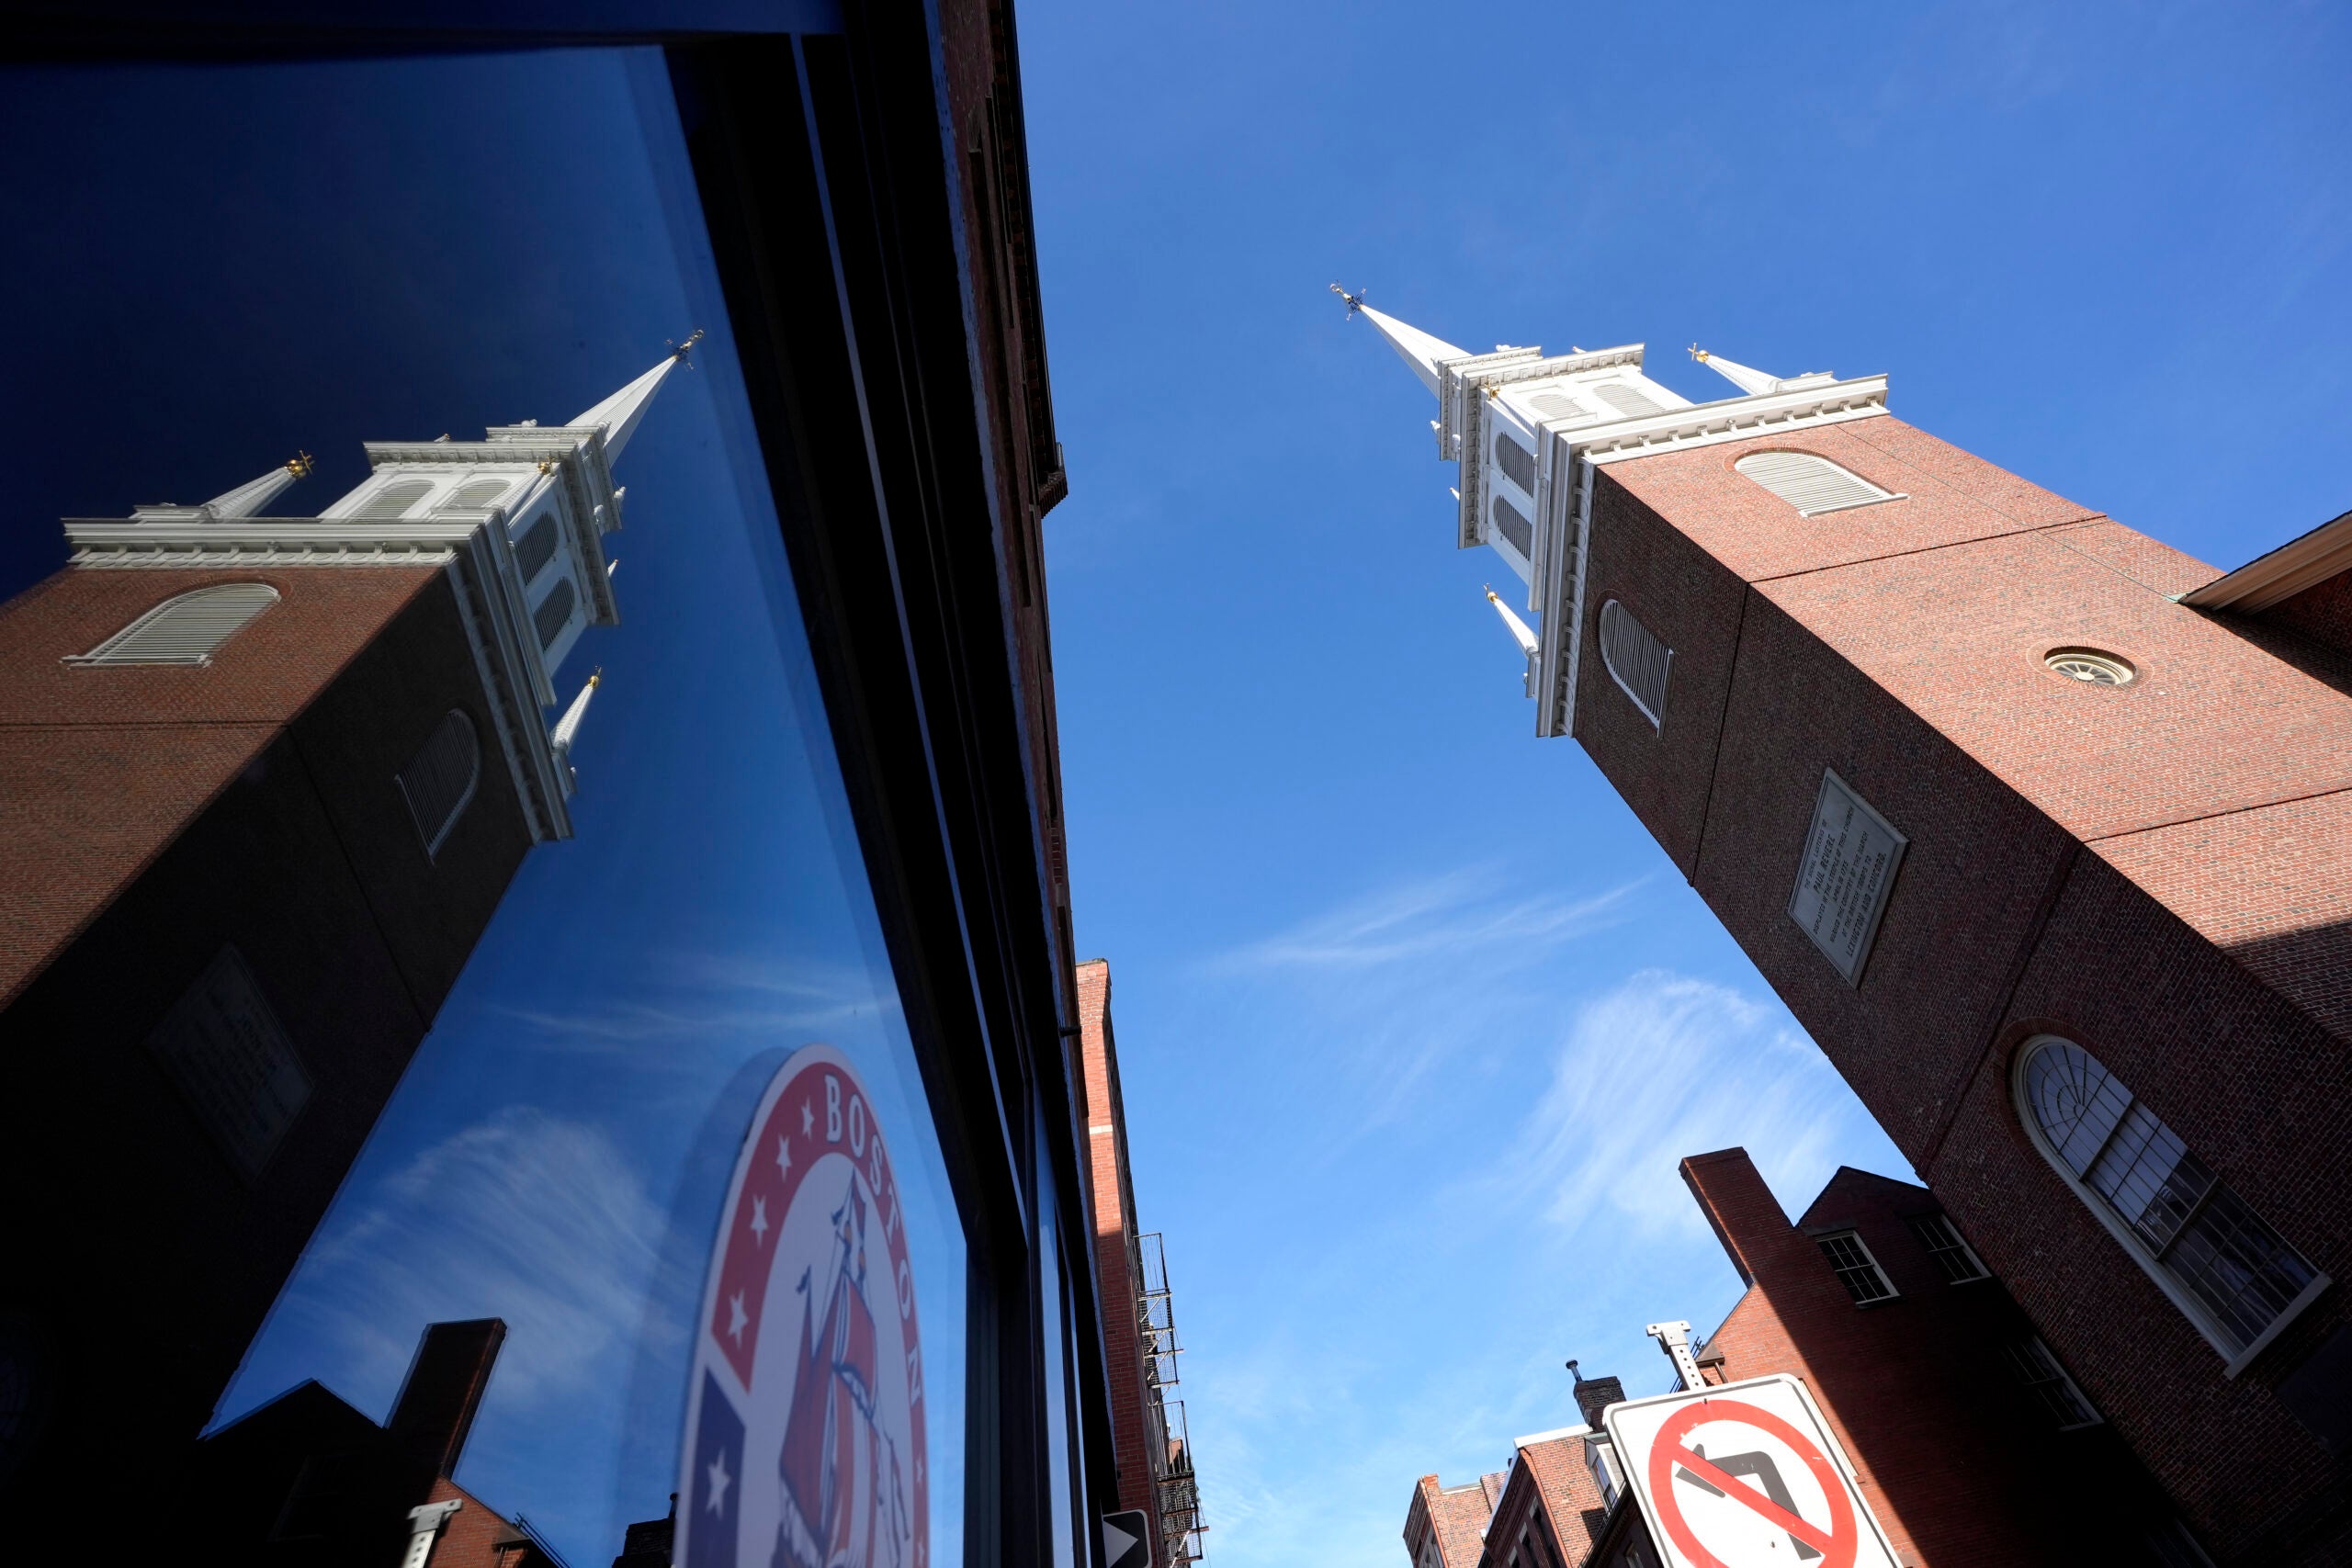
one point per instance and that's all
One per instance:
(443, 1392)
(1746, 1218)
(1595, 1395)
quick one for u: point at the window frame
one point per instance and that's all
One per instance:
(2234, 1359)
(2037, 1367)
(434, 839)
(1937, 1219)
(1850, 1232)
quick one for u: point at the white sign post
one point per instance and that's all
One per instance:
(1744, 1475)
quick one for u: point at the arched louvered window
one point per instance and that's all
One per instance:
(1627, 400)
(393, 501)
(440, 779)
(1514, 528)
(186, 629)
(1517, 462)
(1559, 406)
(536, 548)
(479, 494)
(1635, 659)
(2219, 1261)
(554, 611)
(1812, 485)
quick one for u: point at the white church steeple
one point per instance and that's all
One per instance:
(1529, 431)
(517, 520)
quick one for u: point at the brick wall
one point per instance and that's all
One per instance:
(1115, 1234)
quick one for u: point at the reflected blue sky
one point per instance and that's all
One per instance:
(247, 261)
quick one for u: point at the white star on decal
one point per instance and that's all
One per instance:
(760, 1220)
(783, 1155)
(736, 1318)
(808, 1120)
(719, 1482)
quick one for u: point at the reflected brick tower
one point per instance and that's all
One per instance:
(2042, 829)
(264, 780)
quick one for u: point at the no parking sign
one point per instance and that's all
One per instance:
(1744, 1475)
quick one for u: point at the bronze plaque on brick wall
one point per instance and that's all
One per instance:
(225, 1049)
(1842, 883)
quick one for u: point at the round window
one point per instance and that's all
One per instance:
(2091, 666)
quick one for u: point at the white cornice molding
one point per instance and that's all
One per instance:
(1732, 419)
(2280, 575)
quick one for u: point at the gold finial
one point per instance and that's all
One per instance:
(1354, 302)
(1491, 594)
(596, 676)
(682, 350)
(298, 464)
(1698, 353)
(547, 466)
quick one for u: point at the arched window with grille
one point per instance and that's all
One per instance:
(1517, 462)
(2219, 1262)
(1812, 484)
(185, 629)
(439, 781)
(1514, 528)
(1635, 659)
(554, 611)
(393, 501)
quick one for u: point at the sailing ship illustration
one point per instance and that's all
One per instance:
(844, 1499)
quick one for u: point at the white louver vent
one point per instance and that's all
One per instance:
(536, 548)
(393, 501)
(1812, 485)
(1517, 462)
(1559, 407)
(184, 630)
(1515, 528)
(554, 611)
(1627, 400)
(1635, 659)
(439, 780)
(479, 494)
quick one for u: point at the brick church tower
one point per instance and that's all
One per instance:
(264, 780)
(2041, 829)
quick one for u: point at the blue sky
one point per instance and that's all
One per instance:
(1416, 1019)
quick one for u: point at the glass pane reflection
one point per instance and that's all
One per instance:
(248, 260)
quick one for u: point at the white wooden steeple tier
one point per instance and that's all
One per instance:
(1528, 431)
(517, 520)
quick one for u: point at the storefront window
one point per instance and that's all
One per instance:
(244, 262)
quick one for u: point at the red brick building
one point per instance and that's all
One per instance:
(1447, 1526)
(263, 781)
(1151, 1446)
(1957, 1417)
(2041, 829)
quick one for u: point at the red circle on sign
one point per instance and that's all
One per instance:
(1838, 1545)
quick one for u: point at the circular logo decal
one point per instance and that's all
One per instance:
(804, 1437)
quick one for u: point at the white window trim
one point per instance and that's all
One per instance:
(2066, 1377)
(2234, 1361)
(1857, 505)
(1851, 1233)
(1966, 1251)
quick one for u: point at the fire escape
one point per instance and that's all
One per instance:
(1178, 1492)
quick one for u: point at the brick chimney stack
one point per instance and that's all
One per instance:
(443, 1390)
(1595, 1395)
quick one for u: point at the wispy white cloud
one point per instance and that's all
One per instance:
(1453, 916)
(526, 1216)
(1664, 1066)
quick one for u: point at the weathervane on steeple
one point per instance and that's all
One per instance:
(1354, 301)
(686, 350)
